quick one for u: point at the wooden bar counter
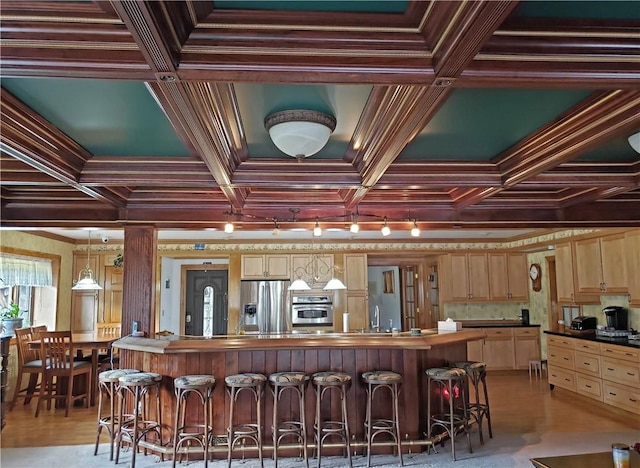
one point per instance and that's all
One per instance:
(353, 353)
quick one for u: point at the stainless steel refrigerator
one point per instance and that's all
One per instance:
(265, 306)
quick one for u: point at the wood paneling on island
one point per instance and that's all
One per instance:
(351, 353)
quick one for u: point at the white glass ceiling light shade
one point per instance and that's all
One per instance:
(299, 285)
(334, 283)
(385, 229)
(300, 133)
(634, 141)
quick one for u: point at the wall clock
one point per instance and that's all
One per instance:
(535, 273)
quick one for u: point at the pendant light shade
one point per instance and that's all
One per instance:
(333, 284)
(85, 281)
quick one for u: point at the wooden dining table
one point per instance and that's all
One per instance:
(94, 341)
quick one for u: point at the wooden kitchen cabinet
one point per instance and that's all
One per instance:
(508, 277)
(499, 349)
(271, 266)
(632, 254)
(566, 279)
(527, 346)
(316, 270)
(600, 265)
(605, 372)
(356, 279)
(466, 277)
(355, 272)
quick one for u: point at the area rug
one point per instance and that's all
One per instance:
(503, 451)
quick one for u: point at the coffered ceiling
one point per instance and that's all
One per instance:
(475, 115)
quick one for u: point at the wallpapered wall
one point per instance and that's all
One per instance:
(28, 242)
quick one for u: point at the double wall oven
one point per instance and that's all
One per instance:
(312, 309)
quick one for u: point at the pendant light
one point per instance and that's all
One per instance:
(85, 281)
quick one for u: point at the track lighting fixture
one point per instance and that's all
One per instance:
(317, 230)
(354, 228)
(385, 229)
(415, 230)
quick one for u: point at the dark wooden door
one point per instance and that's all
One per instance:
(206, 302)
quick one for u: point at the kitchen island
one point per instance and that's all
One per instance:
(353, 353)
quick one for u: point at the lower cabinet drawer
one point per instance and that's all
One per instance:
(627, 398)
(624, 372)
(562, 378)
(587, 363)
(560, 357)
(589, 386)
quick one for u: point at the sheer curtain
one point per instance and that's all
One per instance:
(20, 271)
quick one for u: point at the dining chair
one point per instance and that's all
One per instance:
(108, 359)
(28, 363)
(57, 354)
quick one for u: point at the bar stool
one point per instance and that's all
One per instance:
(236, 383)
(297, 383)
(378, 380)
(136, 388)
(202, 387)
(478, 410)
(323, 382)
(449, 381)
(107, 387)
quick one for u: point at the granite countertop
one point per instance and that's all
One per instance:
(494, 323)
(178, 344)
(622, 341)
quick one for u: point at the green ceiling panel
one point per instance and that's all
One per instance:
(626, 9)
(256, 101)
(617, 150)
(465, 127)
(358, 6)
(114, 118)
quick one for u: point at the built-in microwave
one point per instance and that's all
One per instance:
(311, 310)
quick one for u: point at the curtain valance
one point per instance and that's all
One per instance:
(20, 271)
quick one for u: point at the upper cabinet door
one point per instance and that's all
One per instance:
(479, 276)
(601, 265)
(518, 277)
(275, 266)
(632, 250)
(355, 272)
(564, 273)
(614, 264)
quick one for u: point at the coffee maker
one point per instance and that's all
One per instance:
(617, 317)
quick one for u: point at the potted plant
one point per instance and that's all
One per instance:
(11, 318)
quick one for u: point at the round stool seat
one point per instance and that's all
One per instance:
(247, 379)
(288, 378)
(445, 373)
(381, 377)
(114, 375)
(140, 379)
(471, 366)
(187, 382)
(331, 378)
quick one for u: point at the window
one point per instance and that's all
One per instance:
(28, 282)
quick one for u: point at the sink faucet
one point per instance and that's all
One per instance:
(376, 319)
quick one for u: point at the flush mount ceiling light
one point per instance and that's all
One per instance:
(300, 133)
(634, 141)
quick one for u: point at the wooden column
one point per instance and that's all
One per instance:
(139, 270)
